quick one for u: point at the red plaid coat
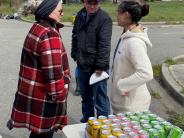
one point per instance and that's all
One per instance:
(41, 99)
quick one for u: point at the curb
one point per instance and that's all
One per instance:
(173, 86)
(69, 24)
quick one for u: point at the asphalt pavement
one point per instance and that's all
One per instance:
(167, 41)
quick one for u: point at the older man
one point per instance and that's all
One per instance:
(91, 40)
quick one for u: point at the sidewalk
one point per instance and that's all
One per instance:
(69, 24)
(173, 78)
(5, 136)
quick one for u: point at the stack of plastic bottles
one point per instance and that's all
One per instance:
(131, 125)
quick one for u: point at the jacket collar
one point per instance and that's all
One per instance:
(84, 18)
(51, 23)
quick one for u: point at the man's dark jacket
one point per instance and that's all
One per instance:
(91, 40)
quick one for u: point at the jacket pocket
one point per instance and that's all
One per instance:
(91, 50)
(60, 96)
(91, 54)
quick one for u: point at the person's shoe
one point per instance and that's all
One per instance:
(83, 120)
(9, 125)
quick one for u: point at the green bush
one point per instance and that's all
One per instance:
(170, 61)
(176, 119)
(157, 72)
(156, 94)
(5, 9)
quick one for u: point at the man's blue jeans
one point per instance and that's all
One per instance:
(93, 96)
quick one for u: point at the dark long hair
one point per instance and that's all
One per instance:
(135, 9)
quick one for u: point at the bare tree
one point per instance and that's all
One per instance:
(10, 3)
(17, 3)
(115, 1)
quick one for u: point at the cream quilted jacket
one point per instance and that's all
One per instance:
(131, 70)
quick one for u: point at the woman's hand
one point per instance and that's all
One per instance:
(125, 94)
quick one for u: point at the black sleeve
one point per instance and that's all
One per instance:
(74, 40)
(104, 44)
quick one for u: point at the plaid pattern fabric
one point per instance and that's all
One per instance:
(40, 101)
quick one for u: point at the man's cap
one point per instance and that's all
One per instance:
(91, 1)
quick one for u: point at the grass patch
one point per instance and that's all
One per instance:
(156, 94)
(165, 11)
(30, 18)
(176, 119)
(182, 90)
(5, 9)
(111, 9)
(170, 61)
(159, 11)
(157, 72)
(69, 10)
(72, 9)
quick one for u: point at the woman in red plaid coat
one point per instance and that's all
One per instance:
(41, 99)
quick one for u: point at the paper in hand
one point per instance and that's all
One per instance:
(94, 78)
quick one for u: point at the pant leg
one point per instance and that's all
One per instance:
(86, 95)
(102, 104)
(77, 89)
(44, 135)
(77, 85)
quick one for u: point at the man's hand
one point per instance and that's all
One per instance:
(98, 72)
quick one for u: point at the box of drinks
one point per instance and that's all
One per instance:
(131, 125)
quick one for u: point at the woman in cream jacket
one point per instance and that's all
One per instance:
(131, 65)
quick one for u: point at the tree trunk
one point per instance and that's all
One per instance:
(113, 1)
(17, 3)
(10, 3)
